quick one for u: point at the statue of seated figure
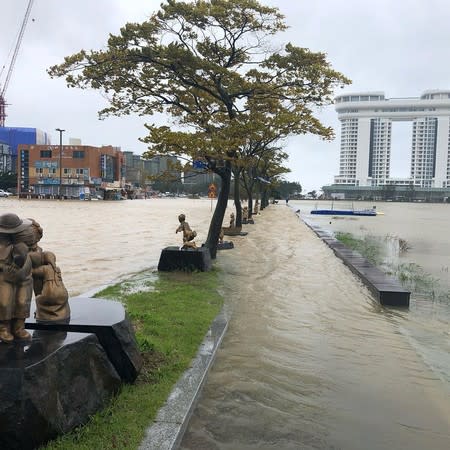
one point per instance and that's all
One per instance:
(245, 214)
(52, 301)
(188, 234)
(232, 220)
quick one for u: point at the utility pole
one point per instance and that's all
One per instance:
(60, 162)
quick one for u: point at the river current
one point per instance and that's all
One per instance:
(310, 360)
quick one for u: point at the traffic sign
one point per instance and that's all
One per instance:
(212, 192)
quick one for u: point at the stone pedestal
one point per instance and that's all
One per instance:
(172, 259)
(225, 245)
(66, 373)
(50, 385)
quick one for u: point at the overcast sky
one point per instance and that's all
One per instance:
(401, 48)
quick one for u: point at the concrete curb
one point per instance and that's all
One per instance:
(167, 430)
(386, 289)
(171, 422)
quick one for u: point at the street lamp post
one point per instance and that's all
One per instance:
(60, 161)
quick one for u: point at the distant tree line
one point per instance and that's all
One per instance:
(8, 181)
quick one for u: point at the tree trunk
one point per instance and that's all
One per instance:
(264, 201)
(257, 195)
(237, 198)
(219, 212)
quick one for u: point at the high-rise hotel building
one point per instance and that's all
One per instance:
(366, 130)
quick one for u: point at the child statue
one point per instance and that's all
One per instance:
(232, 220)
(16, 282)
(245, 214)
(25, 267)
(188, 234)
(52, 299)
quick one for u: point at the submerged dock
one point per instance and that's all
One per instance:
(387, 290)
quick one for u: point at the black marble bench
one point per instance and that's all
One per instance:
(106, 319)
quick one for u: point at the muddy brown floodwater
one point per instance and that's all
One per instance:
(310, 360)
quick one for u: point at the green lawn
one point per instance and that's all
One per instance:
(171, 313)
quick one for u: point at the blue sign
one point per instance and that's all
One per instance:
(198, 164)
(46, 164)
(50, 181)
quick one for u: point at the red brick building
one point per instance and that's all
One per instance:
(78, 170)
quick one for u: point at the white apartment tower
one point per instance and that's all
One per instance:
(366, 130)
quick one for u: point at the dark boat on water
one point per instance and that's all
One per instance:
(346, 212)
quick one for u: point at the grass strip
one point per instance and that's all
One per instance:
(171, 313)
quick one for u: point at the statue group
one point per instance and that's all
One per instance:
(25, 268)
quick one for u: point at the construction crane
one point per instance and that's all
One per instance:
(11, 65)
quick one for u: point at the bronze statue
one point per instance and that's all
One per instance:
(245, 214)
(232, 230)
(232, 220)
(16, 282)
(188, 234)
(52, 298)
(25, 267)
(256, 208)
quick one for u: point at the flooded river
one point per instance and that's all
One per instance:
(310, 360)
(97, 242)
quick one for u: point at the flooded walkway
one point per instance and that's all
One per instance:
(310, 360)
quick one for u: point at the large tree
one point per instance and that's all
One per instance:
(201, 63)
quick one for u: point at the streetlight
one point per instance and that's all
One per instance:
(60, 161)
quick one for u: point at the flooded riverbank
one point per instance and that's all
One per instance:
(97, 242)
(310, 360)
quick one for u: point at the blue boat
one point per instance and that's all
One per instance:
(346, 212)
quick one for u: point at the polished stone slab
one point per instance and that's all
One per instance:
(387, 290)
(108, 320)
(50, 385)
(190, 259)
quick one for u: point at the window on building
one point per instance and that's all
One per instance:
(78, 154)
(46, 153)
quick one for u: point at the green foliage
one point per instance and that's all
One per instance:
(369, 247)
(413, 277)
(8, 180)
(208, 66)
(284, 189)
(171, 314)
(204, 64)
